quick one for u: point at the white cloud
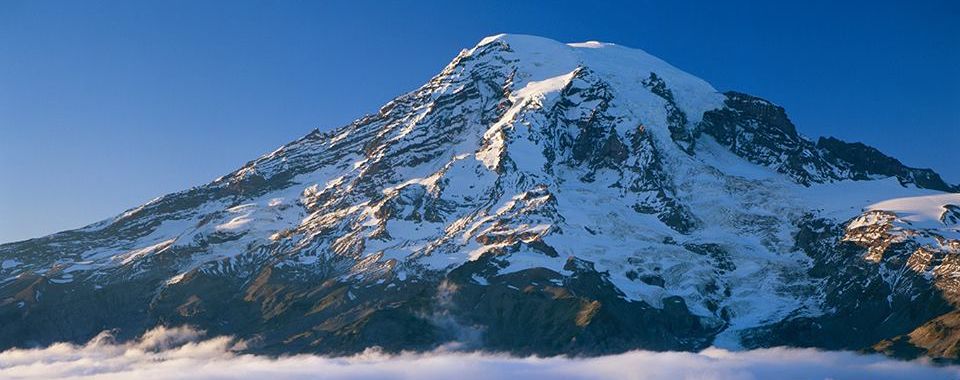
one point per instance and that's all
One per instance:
(180, 353)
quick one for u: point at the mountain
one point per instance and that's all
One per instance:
(533, 197)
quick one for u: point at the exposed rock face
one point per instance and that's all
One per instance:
(533, 197)
(760, 131)
(863, 162)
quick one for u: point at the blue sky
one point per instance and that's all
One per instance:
(105, 105)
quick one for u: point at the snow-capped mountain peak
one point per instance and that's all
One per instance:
(534, 196)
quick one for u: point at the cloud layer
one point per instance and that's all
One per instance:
(181, 353)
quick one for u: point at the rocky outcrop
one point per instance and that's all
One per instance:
(761, 132)
(863, 162)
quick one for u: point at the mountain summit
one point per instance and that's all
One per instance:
(533, 197)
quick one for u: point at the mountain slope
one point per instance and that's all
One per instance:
(533, 197)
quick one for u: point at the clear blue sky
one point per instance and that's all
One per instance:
(107, 104)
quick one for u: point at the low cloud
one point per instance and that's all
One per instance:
(182, 353)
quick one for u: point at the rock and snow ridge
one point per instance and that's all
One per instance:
(567, 189)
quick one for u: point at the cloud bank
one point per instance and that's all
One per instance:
(182, 353)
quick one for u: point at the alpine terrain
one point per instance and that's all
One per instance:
(534, 197)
